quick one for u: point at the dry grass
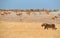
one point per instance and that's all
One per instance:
(26, 30)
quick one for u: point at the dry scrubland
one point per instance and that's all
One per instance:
(28, 25)
(26, 30)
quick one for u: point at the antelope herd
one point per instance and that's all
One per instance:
(28, 12)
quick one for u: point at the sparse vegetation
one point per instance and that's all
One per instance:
(19, 25)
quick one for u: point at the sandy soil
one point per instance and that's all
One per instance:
(27, 30)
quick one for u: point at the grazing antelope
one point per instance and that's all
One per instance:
(55, 17)
(19, 14)
(28, 13)
(2, 14)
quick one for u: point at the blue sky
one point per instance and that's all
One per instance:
(30, 4)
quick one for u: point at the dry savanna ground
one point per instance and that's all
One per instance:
(27, 24)
(27, 30)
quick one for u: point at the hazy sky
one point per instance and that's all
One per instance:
(30, 4)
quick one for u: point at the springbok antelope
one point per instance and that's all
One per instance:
(19, 14)
(2, 14)
(28, 12)
(55, 17)
(5, 12)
